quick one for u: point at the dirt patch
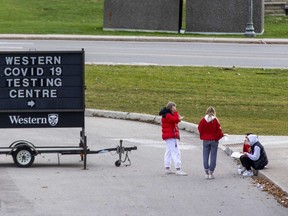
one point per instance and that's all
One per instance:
(267, 186)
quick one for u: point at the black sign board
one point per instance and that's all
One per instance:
(42, 89)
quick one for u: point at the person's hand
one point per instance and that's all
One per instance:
(245, 154)
(181, 117)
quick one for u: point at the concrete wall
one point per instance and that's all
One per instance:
(222, 16)
(142, 15)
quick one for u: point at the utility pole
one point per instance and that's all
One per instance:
(249, 28)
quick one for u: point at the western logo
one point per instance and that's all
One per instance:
(52, 119)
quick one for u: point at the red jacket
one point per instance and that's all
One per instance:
(170, 125)
(246, 148)
(210, 130)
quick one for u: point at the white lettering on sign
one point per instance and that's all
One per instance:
(33, 82)
(33, 60)
(27, 120)
(52, 119)
(33, 93)
(23, 71)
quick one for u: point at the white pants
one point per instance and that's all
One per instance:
(172, 153)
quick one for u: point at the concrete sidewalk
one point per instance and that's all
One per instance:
(276, 146)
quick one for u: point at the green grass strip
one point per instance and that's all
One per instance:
(245, 99)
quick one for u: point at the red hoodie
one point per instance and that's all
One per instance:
(210, 129)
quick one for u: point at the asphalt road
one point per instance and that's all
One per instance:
(164, 53)
(47, 188)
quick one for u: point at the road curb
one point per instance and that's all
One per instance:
(187, 126)
(143, 38)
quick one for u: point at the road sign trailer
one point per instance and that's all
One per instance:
(45, 89)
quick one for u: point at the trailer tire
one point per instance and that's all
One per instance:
(23, 156)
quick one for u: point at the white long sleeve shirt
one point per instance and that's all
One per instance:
(256, 155)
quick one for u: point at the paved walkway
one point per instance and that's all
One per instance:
(276, 146)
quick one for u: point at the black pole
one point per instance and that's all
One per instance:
(85, 152)
(180, 15)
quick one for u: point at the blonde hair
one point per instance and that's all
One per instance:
(211, 111)
(170, 105)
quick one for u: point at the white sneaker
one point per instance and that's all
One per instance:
(211, 176)
(241, 170)
(181, 173)
(248, 173)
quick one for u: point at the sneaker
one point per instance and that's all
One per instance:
(206, 174)
(181, 173)
(248, 173)
(241, 170)
(211, 176)
(169, 171)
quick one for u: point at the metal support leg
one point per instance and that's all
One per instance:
(58, 156)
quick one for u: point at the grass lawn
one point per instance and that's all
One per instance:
(246, 100)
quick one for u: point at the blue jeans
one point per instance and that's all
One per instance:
(210, 148)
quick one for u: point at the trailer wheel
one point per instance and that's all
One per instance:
(23, 156)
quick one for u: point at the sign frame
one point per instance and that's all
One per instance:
(55, 93)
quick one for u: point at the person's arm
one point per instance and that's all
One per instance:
(219, 130)
(200, 126)
(175, 118)
(256, 155)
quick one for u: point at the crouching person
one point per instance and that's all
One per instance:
(257, 158)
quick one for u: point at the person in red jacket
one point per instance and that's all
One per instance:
(170, 133)
(210, 132)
